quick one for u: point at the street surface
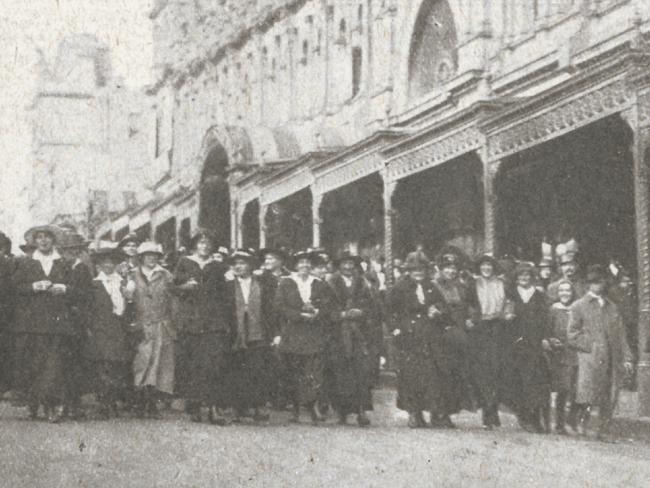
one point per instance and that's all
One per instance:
(173, 452)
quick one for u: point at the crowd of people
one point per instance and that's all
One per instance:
(238, 334)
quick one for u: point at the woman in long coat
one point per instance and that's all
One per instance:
(526, 377)
(302, 303)
(151, 292)
(203, 330)
(419, 318)
(42, 326)
(249, 300)
(349, 351)
(489, 311)
(597, 332)
(106, 348)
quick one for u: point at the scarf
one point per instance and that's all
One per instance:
(46, 260)
(199, 261)
(491, 296)
(113, 286)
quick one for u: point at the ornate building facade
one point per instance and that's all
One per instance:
(383, 124)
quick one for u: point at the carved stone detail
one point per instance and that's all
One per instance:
(433, 153)
(560, 119)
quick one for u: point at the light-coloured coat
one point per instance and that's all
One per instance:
(597, 334)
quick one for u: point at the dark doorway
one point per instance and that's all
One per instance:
(353, 217)
(577, 186)
(441, 205)
(185, 233)
(166, 235)
(289, 222)
(251, 225)
(144, 232)
(214, 206)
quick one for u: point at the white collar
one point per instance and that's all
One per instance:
(299, 281)
(39, 256)
(114, 276)
(199, 261)
(561, 306)
(150, 273)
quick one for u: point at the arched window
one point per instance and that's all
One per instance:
(432, 58)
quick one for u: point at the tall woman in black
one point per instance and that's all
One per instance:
(204, 332)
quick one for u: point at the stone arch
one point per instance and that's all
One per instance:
(409, 26)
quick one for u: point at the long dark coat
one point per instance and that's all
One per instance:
(43, 332)
(6, 316)
(303, 341)
(250, 377)
(203, 332)
(525, 378)
(80, 299)
(422, 381)
(598, 335)
(349, 349)
(563, 359)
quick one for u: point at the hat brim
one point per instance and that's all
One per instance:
(114, 255)
(55, 231)
(274, 252)
(488, 259)
(356, 260)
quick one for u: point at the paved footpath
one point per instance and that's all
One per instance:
(173, 452)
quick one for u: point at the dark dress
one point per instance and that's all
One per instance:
(6, 317)
(80, 299)
(525, 378)
(203, 333)
(43, 332)
(349, 347)
(107, 349)
(422, 382)
(563, 359)
(302, 340)
(250, 377)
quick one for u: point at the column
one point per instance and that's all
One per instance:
(490, 171)
(316, 200)
(389, 191)
(641, 155)
(234, 224)
(262, 217)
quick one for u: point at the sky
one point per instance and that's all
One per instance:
(31, 30)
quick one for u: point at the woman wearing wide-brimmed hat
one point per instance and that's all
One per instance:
(203, 329)
(151, 292)
(249, 300)
(107, 350)
(42, 327)
(419, 317)
(525, 378)
(303, 302)
(490, 309)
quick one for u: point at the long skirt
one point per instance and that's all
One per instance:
(41, 365)
(201, 369)
(154, 361)
(110, 379)
(486, 361)
(250, 378)
(304, 377)
(352, 378)
(419, 383)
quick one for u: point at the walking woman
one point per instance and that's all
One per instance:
(107, 348)
(151, 292)
(525, 377)
(487, 297)
(419, 318)
(564, 361)
(203, 330)
(42, 327)
(302, 303)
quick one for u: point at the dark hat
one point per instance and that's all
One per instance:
(72, 240)
(525, 267)
(131, 237)
(202, 234)
(53, 230)
(447, 260)
(27, 247)
(279, 253)
(417, 260)
(596, 273)
(348, 256)
(487, 258)
(567, 257)
(244, 254)
(305, 254)
(451, 255)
